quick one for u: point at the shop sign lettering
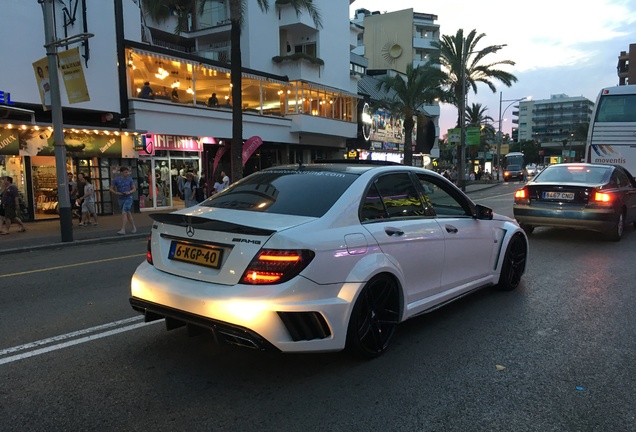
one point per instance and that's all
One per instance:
(176, 142)
(9, 143)
(5, 98)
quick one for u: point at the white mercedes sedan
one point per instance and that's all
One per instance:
(323, 257)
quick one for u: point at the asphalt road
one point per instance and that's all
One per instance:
(555, 355)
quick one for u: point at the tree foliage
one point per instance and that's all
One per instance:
(407, 95)
(465, 65)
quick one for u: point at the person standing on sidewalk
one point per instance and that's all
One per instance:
(11, 206)
(124, 187)
(87, 202)
(76, 210)
(80, 192)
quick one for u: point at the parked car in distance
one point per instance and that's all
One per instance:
(323, 257)
(514, 172)
(593, 197)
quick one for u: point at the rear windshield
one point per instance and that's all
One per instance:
(285, 191)
(573, 174)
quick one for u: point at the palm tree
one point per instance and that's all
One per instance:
(476, 117)
(407, 94)
(464, 65)
(160, 10)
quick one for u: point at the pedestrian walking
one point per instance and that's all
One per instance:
(87, 202)
(190, 189)
(10, 206)
(124, 187)
(72, 192)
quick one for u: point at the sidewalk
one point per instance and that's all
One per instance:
(46, 234)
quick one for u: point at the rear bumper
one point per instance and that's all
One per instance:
(222, 331)
(600, 220)
(297, 316)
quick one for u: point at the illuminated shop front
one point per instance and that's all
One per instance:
(163, 162)
(27, 154)
(190, 82)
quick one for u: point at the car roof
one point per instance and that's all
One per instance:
(357, 168)
(583, 164)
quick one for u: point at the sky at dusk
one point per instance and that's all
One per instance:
(559, 46)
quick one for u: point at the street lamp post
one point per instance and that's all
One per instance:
(51, 45)
(499, 135)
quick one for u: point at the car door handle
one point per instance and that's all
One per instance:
(393, 231)
(451, 229)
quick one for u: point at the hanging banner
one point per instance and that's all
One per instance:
(473, 136)
(217, 157)
(250, 146)
(70, 64)
(41, 69)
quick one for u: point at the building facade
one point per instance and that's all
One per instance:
(390, 41)
(625, 75)
(556, 124)
(299, 101)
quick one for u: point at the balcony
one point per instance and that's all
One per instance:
(289, 20)
(299, 67)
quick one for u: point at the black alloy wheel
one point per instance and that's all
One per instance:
(514, 264)
(616, 233)
(374, 317)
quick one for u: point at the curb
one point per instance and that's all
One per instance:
(60, 245)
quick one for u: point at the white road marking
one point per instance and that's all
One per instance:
(72, 342)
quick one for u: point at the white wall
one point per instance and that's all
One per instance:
(260, 42)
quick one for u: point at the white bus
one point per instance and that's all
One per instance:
(612, 134)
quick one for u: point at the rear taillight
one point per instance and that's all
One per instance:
(601, 197)
(522, 195)
(149, 250)
(274, 266)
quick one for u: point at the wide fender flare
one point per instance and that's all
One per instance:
(510, 229)
(365, 270)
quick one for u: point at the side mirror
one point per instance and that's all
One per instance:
(483, 212)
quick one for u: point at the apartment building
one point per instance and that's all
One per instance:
(299, 96)
(554, 122)
(390, 41)
(625, 75)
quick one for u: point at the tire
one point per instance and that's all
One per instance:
(374, 318)
(514, 264)
(529, 229)
(616, 233)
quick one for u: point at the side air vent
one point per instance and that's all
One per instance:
(305, 325)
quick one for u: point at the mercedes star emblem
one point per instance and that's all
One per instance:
(190, 231)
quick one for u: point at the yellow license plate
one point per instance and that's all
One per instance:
(194, 254)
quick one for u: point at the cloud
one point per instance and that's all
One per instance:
(559, 46)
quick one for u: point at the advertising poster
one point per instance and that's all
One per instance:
(40, 143)
(41, 69)
(70, 63)
(9, 144)
(387, 127)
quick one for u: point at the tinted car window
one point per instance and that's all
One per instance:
(568, 174)
(392, 195)
(440, 199)
(623, 181)
(291, 192)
